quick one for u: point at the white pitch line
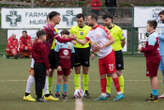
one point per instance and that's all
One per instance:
(72, 80)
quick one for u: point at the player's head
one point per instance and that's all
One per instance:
(80, 20)
(161, 15)
(108, 20)
(92, 20)
(151, 25)
(65, 33)
(54, 17)
(14, 36)
(24, 33)
(41, 34)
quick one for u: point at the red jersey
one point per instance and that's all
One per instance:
(40, 53)
(25, 42)
(96, 4)
(12, 43)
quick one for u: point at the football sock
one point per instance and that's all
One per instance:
(154, 92)
(103, 85)
(121, 81)
(65, 86)
(77, 81)
(109, 83)
(57, 88)
(29, 83)
(50, 80)
(46, 90)
(85, 82)
(117, 85)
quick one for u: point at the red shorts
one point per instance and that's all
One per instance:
(152, 66)
(107, 64)
(65, 72)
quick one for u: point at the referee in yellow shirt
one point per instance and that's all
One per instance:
(82, 53)
(119, 43)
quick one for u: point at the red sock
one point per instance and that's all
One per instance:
(117, 84)
(103, 85)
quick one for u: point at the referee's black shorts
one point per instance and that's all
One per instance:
(119, 60)
(82, 57)
(51, 58)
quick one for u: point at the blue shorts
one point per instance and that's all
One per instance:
(161, 66)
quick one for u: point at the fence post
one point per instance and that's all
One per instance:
(132, 33)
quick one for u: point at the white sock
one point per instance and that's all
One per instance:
(46, 91)
(29, 83)
(103, 94)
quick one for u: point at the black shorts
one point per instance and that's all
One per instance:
(82, 57)
(51, 58)
(119, 60)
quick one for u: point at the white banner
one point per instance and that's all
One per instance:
(125, 47)
(35, 18)
(143, 14)
(142, 38)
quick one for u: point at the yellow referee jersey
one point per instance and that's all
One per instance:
(118, 35)
(80, 34)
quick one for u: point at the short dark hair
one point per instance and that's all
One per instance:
(25, 32)
(52, 14)
(94, 16)
(161, 13)
(107, 16)
(40, 33)
(80, 15)
(152, 23)
(65, 32)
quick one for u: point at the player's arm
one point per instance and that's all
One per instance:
(63, 40)
(122, 38)
(161, 37)
(72, 56)
(151, 45)
(123, 42)
(84, 41)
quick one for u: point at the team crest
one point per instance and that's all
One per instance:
(65, 52)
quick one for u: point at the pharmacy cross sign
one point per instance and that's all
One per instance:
(69, 17)
(13, 18)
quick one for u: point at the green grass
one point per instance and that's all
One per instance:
(13, 74)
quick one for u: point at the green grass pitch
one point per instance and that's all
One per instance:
(13, 75)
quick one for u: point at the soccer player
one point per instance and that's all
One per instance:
(152, 58)
(25, 45)
(53, 19)
(101, 43)
(12, 47)
(119, 42)
(82, 53)
(41, 66)
(161, 46)
(64, 61)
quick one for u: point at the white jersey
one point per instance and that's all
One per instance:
(100, 36)
(32, 63)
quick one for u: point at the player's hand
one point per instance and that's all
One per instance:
(74, 42)
(139, 49)
(70, 70)
(59, 68)
(73, 37)
(92, 56)
(31, 71)
(26, 48)
(47, 72)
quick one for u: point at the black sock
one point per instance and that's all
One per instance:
(47, 95)
(26, 94)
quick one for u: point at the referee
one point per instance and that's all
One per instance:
(82, 53)
(119, 38)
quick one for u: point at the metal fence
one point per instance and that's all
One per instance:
(122, 17)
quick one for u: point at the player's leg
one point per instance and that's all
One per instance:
(59, 83)
(152, 69)
(77, 65)
(161, 67)
(30, 81)
(14, 53)
(111, 69)
(103, 81)
(40, 75)
(84, 56)
(50, 80)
